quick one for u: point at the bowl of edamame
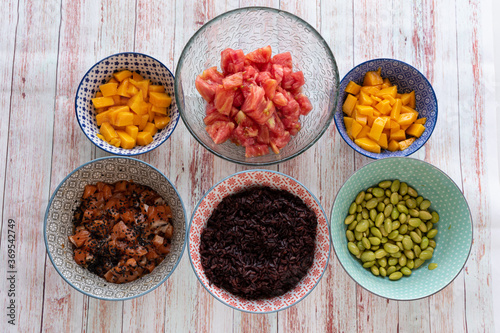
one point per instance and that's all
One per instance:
(401, 228)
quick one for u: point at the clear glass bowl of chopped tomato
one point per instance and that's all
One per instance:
(257, 86)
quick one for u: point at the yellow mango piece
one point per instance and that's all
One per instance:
(159, 110)
(100, 136)
(98, 94)
(161, 122)
(356, 129)
(144, 138)
(398, 135)
(421, 121)
(396, 109)
(387, 122)
(132, 131)
(368, 144)
(347, 107)
(393, 145)
(124, 119)
(364, 99)
(405, 98)
(370, 120)
(362, 119)
(352, 88)
(382, 142)
(348, 126)
(391, 91)
(156, 88)
(407, 109)
(370, 90)
(123, 88)
(377, 128)
(405, 127)
(373, 78)
(132, 90)
(122, 75)
(102, 102)
(391, 99)
(412, 103)
(103, 117)
(151, 128)
(144, 121)
(108, 89)
(384, 106)
(137, 77)
(407, 118)
(117, 99)
(160, 99)
(415, 130)
(126, 141)
(364, 110)
(394, 125)
(135, 103)
(137, 120)
(141, 85)
(364, 132)
(406, 143)
(108, 131)
(113, 80)
(375, 99)
(115, 142)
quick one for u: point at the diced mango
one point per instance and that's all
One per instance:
(391, 91)
(352, 88)
(377, 128)
(141, 85)
(347, 107)
(108, 131)
(395, 125)
(421, 121)
(132, 131)
(368, 144)
(384, 106)
(398, 135)
(156, 88)
(160, 99)
(144, 138)
(393, 145)
(405, 98)
(144, 121)
(135, 103)
(365, 99)
(132, 90)
(159, 110)
(123, 88)
(391, 99)
(117, 99)
(137, 77)
(412, 102)
(126, 141)
(124, 119)
(375, 99)
(115, 142)
(362, 119)
(382, 142)
(387, 122)
(364, 132)
(407, 118)
(364, 110)
(161, 121)
(370, 90)
(98, 94)
(102, 102)
(396, 109)
(151, 128)
(100, 136)
(348, 126)
(406, 143)
(122, 75)
(373, 78)
(108, 89)
(356, 129)
(103, 117)
(415, 130)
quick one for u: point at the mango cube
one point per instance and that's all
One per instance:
(124, 119)
(415, 130)
(159, 110)
(406, 143)
(377, 128)
(137, 77)
(102, 102)
(398, 135)
(373, 78)
(160, 99)
(356, 128)
(135, 103)
(349, 104)
(122, 75)
(108, 89)
(122, 89)
(132, 131)
(396, 109)
(365, 99)
(368, 144)
(144, 138)
(151, 128)
(126, 141)
(161, 122)
(382, 142)
(393, 145)
(384, 106)
(108, 131)
(352, 88)
(156, 88)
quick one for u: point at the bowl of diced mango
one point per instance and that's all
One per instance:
(125, 104)
(386, 108)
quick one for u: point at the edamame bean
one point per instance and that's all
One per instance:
(419, 200)
(402, 260)
(424, 215)
(362, 226)
(368, 196)
(403, 229)
(399, 244)
(375, 270)
(411, 203)
(367, 256)
(395, 185)
(358, 235)
(380, 206)
(435, 217)
(353, 248)
(378, 192)
(409, 254)
(432, 233)
(403, 218)
(402, 208)
(398, 240)
(373, 215)
(410, 264)
(350, 235)
(393, 234)
(382, 271)
(422, 227)
(365, 214)
(353, 225)
(391, 248)
(391, 270)
(397, 254)
(368, 264)
(366, 243)
(425, 243)
(359, 208)
(412, 192)
(424, 255)
(418, 263)
(372, 203)
(406, 271)
(432, 266)
(417, 250)
(375, 232)
(385, 184)
(407, 242)
(394, 198)
(382, 262)
(403, 188)
(432, 243)
(413, 212)
(395, 225)
(395, 276)
(425, 205)
(380, 253)
(379, 219)
(388, 195)
(388, 210)
(394, 213)
(374, 240)
(414, 222)
(352, 208)
(360, 197)
(415, 237)
(349, 219)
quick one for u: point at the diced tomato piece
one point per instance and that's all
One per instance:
(210, 108)
(220, 131)
(233, 81)
(238, 98)
(292, 109)
(213, 117)
(291, 126)
(305, 104)
(277, 72)
(253, 99)
(234, 111)
(280, 99)
(265, 67)
(282, 140)
(261, 55)
(288, 79)
(283, 59)
(263, 136)
(263, 112)
(205, 88)
(262, 77)
(212, 74)
(232, 61)
(250, 73)
(241, 137)
(256, 150)
(298, 80)
(275, 125)
(269, 86)
(224, 100)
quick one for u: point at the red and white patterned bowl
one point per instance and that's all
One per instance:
(236, 183)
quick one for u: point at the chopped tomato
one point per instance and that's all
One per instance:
(262, 55)
(206, 88)
(224, 99)
(305, 104)
(233, 81)
(232, 61)
(269, 86)
(213, 75)
(256, 150)
(220, 131)
(255, 97)
(283, 59)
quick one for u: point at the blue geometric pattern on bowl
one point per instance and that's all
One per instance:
(408, 79)
(454, 238)
(100, 73)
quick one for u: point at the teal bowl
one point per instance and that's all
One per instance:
(453, 241)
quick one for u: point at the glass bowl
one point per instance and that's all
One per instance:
(249, 29)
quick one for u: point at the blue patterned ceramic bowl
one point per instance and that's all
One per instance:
(100, 73)
(408, 79)
(453, 240)
(58, 226)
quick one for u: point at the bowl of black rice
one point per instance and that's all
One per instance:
(259, 241)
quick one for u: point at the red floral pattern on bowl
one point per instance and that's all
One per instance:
(234, 184)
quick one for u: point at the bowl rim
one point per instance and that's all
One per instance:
(364, 152)
(471, 226)
(105, 148)
(50, 254)
(322, 210)
(277, 11)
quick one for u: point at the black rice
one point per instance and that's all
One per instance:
(258, 243)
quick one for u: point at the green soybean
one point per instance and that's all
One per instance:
(403, 229)
(382, 271)
(417, 251)
(395, 276)
(388, 210)
(352, 208)
(410, 264)
(391, 248)
(418, 263)
(373, 215)
(393, 234)
(422, 227)
(378, 192)
(403, 218)
(379, 219)
(380, 206)
(366, 243)
(407, 242)
(424, 255)
(349, 219)
(395, 185)
(425, 204)
(353, 248)
(411, 203)
(375, 270)
(403, 189)
(394, 198)
(369, 264)
(367, 256)
(432, 233)
(385, 184)
(413, 212)
(362, 226)
(406, 271)
(432, 266)
(380, 253)
(391, 269)
(412, 192)
(360, 197)
(414, 222)
(350, 235)
(358, 235)
(409, 254)
(419, 200)
(415, 237)
(425, 215)
(382, 262)
(364, 214)
(435, 217)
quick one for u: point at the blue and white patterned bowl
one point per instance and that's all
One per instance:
(408, 79)
(100, 73)
(454, 238)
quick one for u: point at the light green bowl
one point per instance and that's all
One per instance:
(454, 238)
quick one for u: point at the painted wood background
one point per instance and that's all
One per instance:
(48, 45)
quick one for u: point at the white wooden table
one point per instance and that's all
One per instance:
(47, 46)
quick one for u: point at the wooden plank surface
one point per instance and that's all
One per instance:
(51, 44)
